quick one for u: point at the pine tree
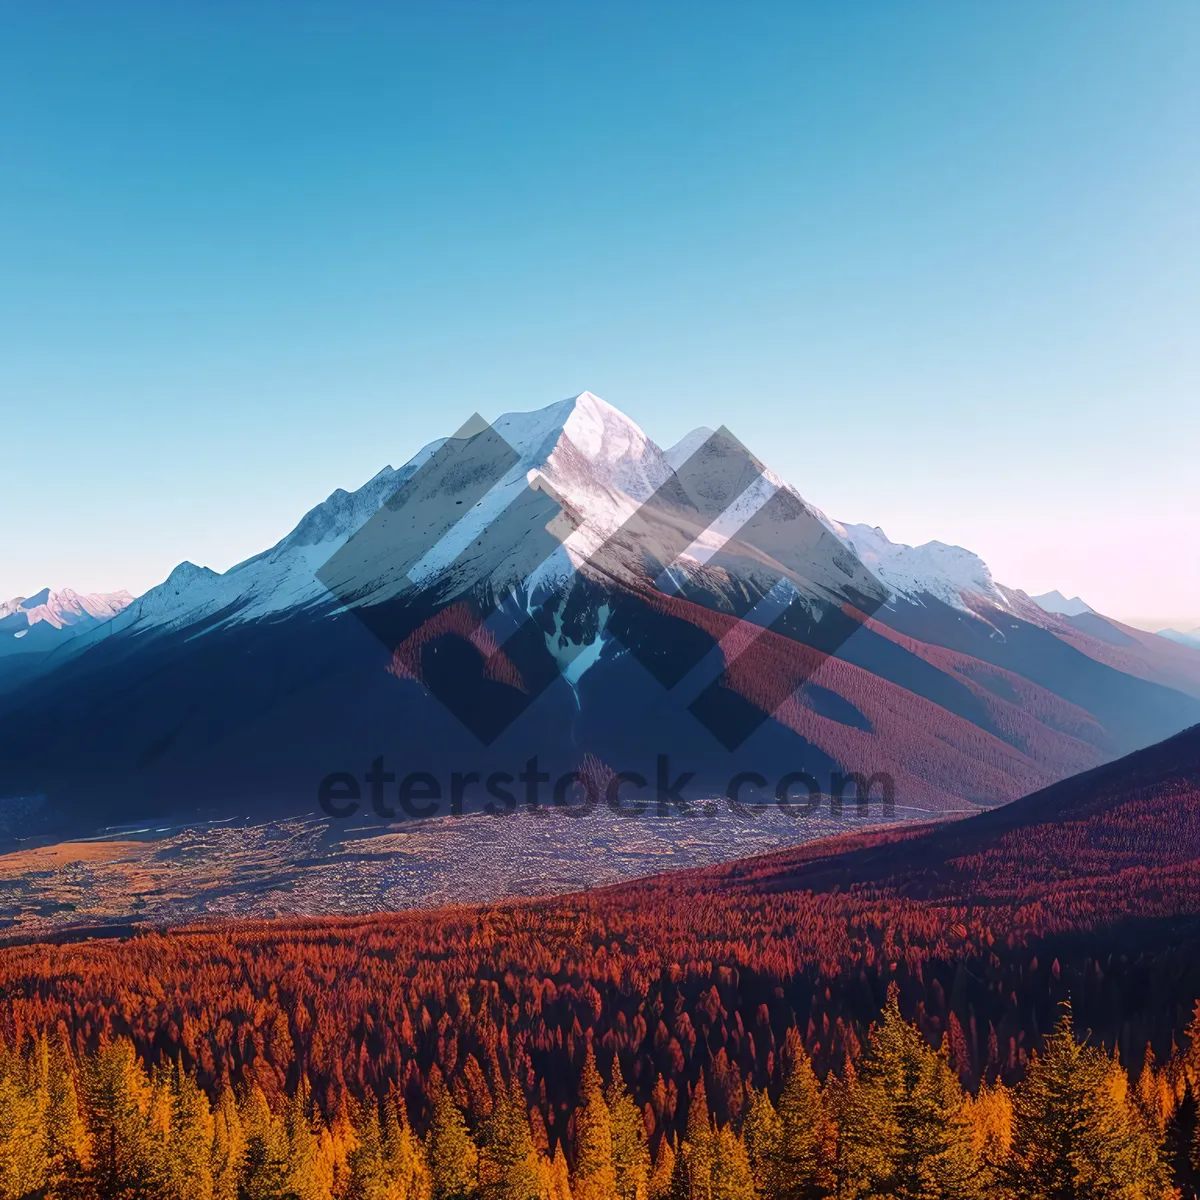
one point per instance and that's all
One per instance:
(990, 1118)
(69, 1144)
(403, 1153)
(680, 1186)
(631, 1154)
(229, 1147)
(1155, 1096)
(24, 1145)
(595, 1174)
(370, 1178)
(906, 1134)
(453, 1159)
(118, 1095)
(763, 1133)
(158, 1125)
(559, 1177)
(807, 1135)
(697, 1151)
(509, 1165)
(264, 1176)
(663, 1174)
(1190, 1059)
(189, 1154)
(841, 1099)
(1077, 1132)
(338, 1142)
(303, 1179)
(732, 1178)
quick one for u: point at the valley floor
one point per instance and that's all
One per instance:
(308, 867)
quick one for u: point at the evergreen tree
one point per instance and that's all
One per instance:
(990, 1118)
(118, 1095)
(1078, 1133)
(807, 1135)
(1155, 1095)
(680, 1186)
(66, 1129)
(264, 1176)
(509, 1165)
(188, 1161)
(663, 1175)
(906, 1134)
(763, 1133)
(732, 1178)
(337, 1144)
(453, 1159)
(303, 1179)
(595, 1174)
(1180, 1140)
(841, 1097)
(158, 1126)
(228, 1147)
(697, 1150)
(403, 1153)
(559, 1177)
(44, 1142)
(370, 1178)
(24, 1145)
(631, 1154)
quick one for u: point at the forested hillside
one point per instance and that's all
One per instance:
(968, 938)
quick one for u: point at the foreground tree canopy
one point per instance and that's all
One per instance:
(899, 1125)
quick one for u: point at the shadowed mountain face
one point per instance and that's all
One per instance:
(555, 586)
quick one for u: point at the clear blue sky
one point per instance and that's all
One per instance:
(939, 264)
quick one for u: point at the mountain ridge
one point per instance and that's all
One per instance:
(960, 688)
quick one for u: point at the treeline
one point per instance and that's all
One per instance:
(898, 1125)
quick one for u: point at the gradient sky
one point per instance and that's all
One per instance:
(938, 264)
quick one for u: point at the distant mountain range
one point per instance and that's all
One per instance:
(215, 695)
(33, 628)
(54, 617)
(1191, 639)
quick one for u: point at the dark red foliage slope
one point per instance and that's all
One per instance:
(961, 729)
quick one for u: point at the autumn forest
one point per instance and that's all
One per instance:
(1004, 1006)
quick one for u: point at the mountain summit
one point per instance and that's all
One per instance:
(35, 625)
(556, 584)
(1056, 602)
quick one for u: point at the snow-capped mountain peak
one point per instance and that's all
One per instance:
(687, 445)
(947, 573)
(60, 609)
(47, 620)
(1058, 604)
(591, 460)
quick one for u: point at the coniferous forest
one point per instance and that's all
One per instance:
(898, 1123)
(1004, 1006)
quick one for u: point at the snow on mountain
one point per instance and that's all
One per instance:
(1055, 602)
(582, 449)
(49, 619)
(585, 456)
(947, 573)
(687, 445)
(65, 608)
